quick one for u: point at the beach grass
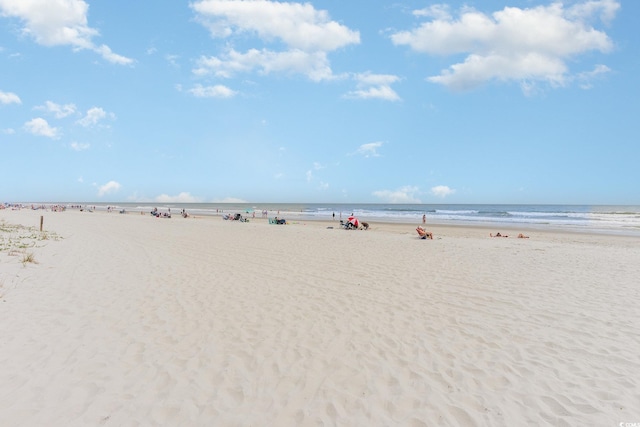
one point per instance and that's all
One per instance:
(14, 237)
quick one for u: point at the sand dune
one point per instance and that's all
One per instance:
(128, 320)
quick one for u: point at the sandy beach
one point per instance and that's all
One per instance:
(130, 320)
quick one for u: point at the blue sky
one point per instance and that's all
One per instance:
(324, 101)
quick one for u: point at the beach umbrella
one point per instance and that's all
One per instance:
(353, 220)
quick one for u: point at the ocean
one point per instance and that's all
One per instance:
(609, 219)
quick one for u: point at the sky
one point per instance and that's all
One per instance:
(326, 101)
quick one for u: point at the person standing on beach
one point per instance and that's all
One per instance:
(424, 218)
(334, 216)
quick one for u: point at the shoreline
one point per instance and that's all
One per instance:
(386, 223)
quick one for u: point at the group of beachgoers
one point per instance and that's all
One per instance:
(156, 213)
(234, 217)
(424, 234)
(18, 206)
(498, 234)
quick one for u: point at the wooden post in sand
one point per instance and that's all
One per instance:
(41, 221)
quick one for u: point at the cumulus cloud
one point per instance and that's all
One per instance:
(513, 44)
(298, 25)
(93, 117)
(217, 91)
(371, 85)
(307, 34)
(108, 188)
(9, 98)
(183, 197)
(59, 111)
(314, 65)
(41, 127)
(442, 191)
(405, 194)
(370, 149)
(58, 23)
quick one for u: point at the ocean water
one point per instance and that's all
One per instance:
(592, 218)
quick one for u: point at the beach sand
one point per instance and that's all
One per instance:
(130, 320)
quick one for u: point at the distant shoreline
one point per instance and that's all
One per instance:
(600, 220)
(397, 225)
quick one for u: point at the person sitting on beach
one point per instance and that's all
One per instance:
(424, 234)
(497, 235)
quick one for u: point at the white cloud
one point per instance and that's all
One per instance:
(605, 10)
(40, 127)
(585, 79)
(183, 197)
(109, 187)
(381, 92)
(79, 147)
(107, 54)
(402, 195)
(297, 25)
(9, 98)
(58, 23)
(523, 45)
(8, 131)
(442, 191)
(314, 65)
(94, 116)
(370, 149)
(437, 11)
(306, 33)
(374, 86)
(59, 111)
(217, 91)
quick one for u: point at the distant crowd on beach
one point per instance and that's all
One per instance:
(352, 223)
(19, 206)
